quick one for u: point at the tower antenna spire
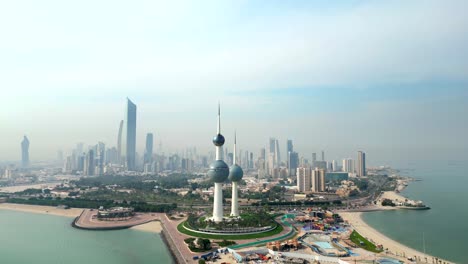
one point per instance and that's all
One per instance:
(219, 118)
(234, 161)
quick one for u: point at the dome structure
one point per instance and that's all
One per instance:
(218, 140)
(219, 171)
(236, 173)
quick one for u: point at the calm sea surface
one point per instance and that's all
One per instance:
(48, 239)
(444, 187)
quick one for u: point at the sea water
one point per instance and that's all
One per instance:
(48, 239)
(443, 230)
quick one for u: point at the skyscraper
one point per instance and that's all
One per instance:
(277, 154)
(293, 162)
(119, 142)
(218, 172)
(361, 164)
(303, 179)
(318, 180)
(274, 158)
(348, 165)
(130, 121)
(25, 152)
(323, 155)
(334, 166)
(272, 145)
(263, 153)
(289, 146)
(314, 157)
(89, 163)
(148, 155)
(100, 158)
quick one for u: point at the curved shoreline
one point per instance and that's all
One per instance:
(395, 248)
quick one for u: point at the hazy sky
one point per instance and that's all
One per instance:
(388, 77)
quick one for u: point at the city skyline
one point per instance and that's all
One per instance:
(275, 78)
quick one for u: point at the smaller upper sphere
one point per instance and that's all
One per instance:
(218, 140)
(236, 173)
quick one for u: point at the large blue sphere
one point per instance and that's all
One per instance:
(218, 140)
(236, 173)
(219, 171)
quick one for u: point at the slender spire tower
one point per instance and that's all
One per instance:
(235, 175)
(218, 172)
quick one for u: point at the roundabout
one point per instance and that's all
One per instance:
(226, 230)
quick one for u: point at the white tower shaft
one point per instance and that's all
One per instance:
(218, 202)
(235, 200)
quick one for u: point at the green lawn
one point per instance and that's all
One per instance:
(360, 241)
(273, 232)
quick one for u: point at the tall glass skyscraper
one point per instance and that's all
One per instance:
(119, 142)
(130, 122)
(361, 164)
(25, 152)
(148, 157)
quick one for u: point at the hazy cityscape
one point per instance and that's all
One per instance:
(233, 132)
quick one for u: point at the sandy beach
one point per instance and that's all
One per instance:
(154, 227)
(20, 188)
(72, 212)
(394, 247)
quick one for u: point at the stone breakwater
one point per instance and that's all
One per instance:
(167, 239)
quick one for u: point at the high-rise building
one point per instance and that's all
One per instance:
(119, 142)
(59, 156)
(277, 154)
(272, 145)
(314, 157)
(361, 164)
(148, 155)
(323, 155)
(130, 133)
(293, 162)
(263, 153)
(67, 167)
(25, 152)
(303, 175)
(274, 153)
(89, 163)
(289, 146)
(318, 180)
(348, 165)
(334, 166)
(319, 164)
(100, 158)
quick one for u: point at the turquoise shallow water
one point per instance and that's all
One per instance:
(444, 187)
(47, 239)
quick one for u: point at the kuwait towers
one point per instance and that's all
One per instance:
(235, 175)
(218, 172)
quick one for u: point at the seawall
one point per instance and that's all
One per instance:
(168, 240)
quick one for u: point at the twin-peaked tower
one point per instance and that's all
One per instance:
(219, 172)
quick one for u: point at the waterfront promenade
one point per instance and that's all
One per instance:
(88, 220)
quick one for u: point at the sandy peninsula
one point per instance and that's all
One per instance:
(154, 226)
(394, 248)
